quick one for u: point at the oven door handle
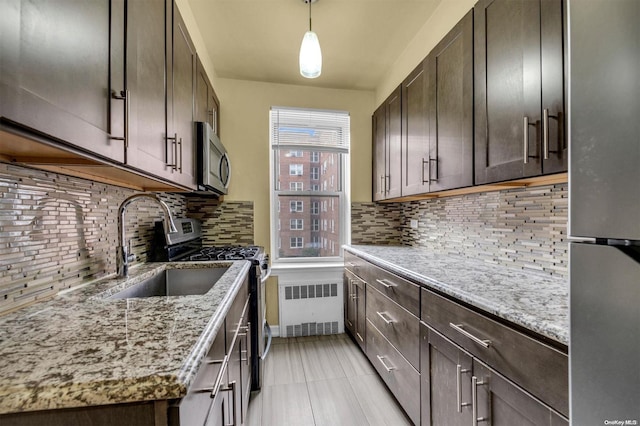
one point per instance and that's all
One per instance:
(266, 277)
(267, 327)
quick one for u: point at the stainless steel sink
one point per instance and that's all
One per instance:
(174, 282)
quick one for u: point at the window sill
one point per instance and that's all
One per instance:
(275, 267)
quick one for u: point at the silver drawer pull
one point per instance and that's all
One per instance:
(459, 329)
(351, 264)
(474, 399)
(384, 364)
(384, 315)
(459, 372)
(386, 283)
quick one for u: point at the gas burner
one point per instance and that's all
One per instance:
(226, 253)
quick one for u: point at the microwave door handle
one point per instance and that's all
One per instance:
(225, 158)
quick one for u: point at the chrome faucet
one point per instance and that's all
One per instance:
(123, 257)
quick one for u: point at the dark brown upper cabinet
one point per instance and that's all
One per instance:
(519, 89)
(379, 132)
(450, 69)
(147, 47)
(180, 103)
(54, 73)
(107, 81)
(207, 104)
(387, 141)
(415, 132)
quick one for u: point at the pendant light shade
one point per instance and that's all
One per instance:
(310, 53)
(310, 56)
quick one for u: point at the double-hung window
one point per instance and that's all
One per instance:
(307, 144)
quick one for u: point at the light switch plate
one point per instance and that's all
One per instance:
(414, 223)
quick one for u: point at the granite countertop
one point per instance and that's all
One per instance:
(535, 301)
(82, 349)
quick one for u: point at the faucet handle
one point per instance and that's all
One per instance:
(129, 253)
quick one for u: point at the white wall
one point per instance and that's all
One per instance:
(446, 15)
(244, 130)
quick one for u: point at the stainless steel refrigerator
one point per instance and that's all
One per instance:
(604, 211)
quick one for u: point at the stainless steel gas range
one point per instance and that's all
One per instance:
(186, 245)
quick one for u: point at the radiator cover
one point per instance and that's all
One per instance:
(310, 302)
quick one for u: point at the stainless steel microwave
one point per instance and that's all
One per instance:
(214, 166)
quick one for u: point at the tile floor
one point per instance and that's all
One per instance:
(322, 380)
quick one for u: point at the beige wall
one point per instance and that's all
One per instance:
(244, 130)
(448, 13)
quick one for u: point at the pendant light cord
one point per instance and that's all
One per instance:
(310, 1)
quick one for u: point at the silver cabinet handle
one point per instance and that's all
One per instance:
(382, 184)
(221, 374)
(459, 371)
(459, 328)
(125, 96)
(386, 367)
(525, 139)
(423, 163)
(435, 160)
(351, 264)
(174, 144)
(545, 133)
(232, 388)
(474, 401)
(180, 163)
(384, 316)
(387, 283)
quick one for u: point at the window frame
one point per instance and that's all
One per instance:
(317, 158)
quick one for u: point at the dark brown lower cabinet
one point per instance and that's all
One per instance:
(456, 387)
(444, 401)
(354, 294)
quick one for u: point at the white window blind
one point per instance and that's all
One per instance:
(297, 129)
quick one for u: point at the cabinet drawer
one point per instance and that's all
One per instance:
(354, 264)
(194, 407)
(537, 367)
(398, 325)
(402, 379)
(401, 291)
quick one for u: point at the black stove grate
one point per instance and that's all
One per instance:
(227, 253)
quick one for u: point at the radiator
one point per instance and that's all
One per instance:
(310, 303)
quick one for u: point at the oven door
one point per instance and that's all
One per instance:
(214, 166)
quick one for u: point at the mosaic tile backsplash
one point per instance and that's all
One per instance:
(57, 232)
(524, 227)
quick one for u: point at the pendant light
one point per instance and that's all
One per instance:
(310, 53)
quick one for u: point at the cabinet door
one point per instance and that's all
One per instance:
(393, 177)
(206, 102)
(180, 105)
(450, 67)
(214, 111)
(360, 314)
(201, 99)
(350, 303)
(555, 153)
(55, 72)
(244, 336)
(145, 82)
(379, 153)
(507, 90)
(445, 381)
(415, 132)
(500, 402)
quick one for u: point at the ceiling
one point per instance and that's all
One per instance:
(260, 39)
